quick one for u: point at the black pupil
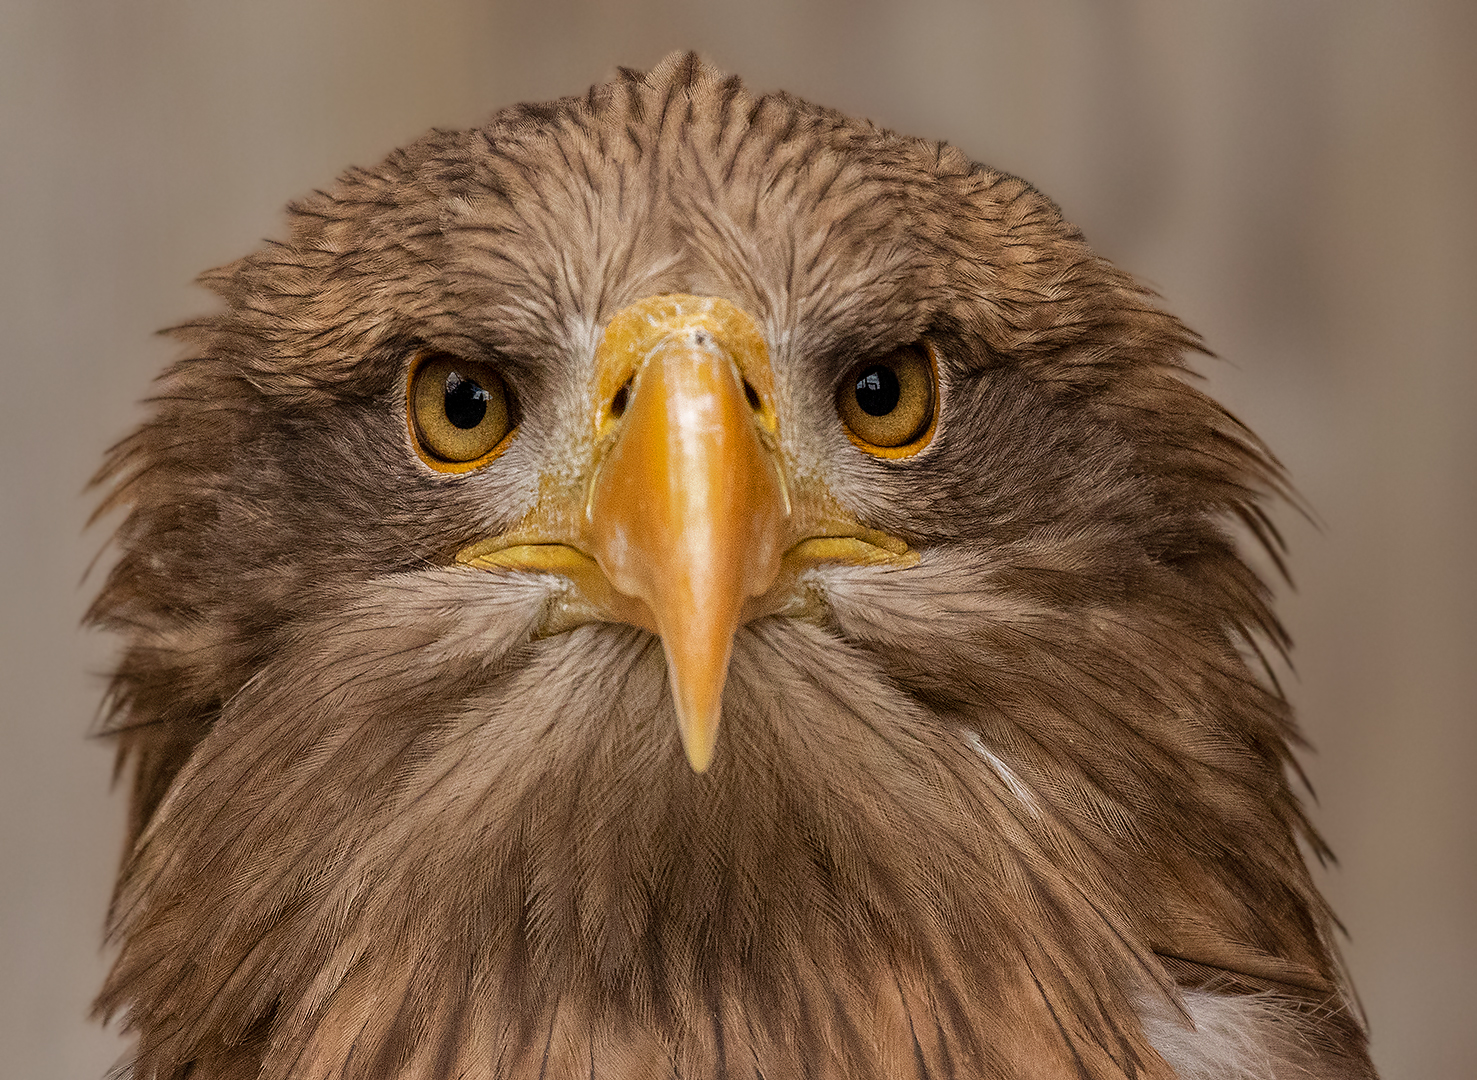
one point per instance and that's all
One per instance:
(878, 391)
(466, 401)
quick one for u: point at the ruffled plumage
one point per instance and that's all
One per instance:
(1018, 811)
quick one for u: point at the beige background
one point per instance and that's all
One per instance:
(1296, 178)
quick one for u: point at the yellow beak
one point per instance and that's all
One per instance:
(687, 510)
(684, 523)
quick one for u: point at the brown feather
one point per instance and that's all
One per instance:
(1018, 811)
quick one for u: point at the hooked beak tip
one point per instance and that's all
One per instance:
(700, 750)
(697, 683)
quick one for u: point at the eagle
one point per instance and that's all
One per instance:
(675, 583)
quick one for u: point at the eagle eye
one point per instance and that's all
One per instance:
(461, 411)
(888, 406)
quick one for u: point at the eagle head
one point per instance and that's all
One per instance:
(675, 583)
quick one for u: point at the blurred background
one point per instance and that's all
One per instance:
(1295, 178)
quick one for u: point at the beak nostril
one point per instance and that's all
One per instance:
(618, 403)
(752, 396)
